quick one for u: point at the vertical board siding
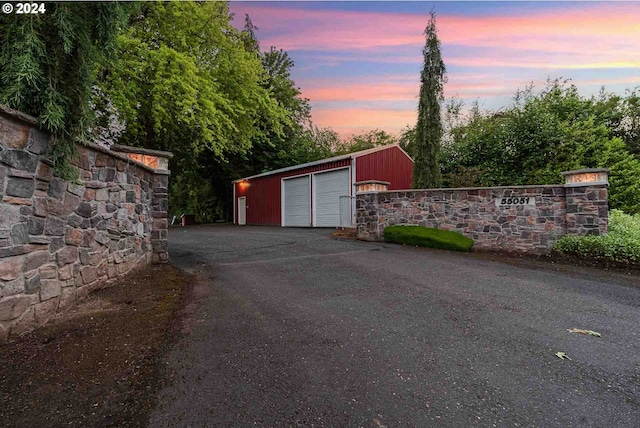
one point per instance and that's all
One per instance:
(264, 197)
(390, 165)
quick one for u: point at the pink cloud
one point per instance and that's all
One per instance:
(349, 120)
(373, 89)
(597, 37)
(406, 87)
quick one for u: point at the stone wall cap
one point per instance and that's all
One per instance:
(585, 170)
(115, 155)
(372, 182)
(15, 114)
(122, 157)
(142, 151)
(459, 189)
(588, 184)
(32, 121)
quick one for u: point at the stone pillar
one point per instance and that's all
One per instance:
(159, 212)
(587, 201)
(159, 162)
(367, 214)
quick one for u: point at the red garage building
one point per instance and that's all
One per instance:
(318, 194)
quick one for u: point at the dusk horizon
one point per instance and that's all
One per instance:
(359, 62)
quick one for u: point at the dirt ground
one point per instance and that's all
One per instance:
(99, 364)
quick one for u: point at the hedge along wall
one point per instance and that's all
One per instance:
(60, 240)
(492, 217)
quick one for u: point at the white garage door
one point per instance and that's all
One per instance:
(328, 187)
(297, 202)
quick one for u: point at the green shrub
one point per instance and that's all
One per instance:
(427, 237)
(621, 245)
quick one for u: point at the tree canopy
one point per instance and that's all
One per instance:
(183, 81)
(542, 134)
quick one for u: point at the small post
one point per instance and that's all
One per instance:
(158, 161)
(587, 201)
(367, 214)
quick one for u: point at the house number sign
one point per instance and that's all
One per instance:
(511, 201)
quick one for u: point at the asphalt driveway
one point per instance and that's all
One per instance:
(294, 328)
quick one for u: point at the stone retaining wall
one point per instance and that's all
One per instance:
(530, 227)
(60, 240)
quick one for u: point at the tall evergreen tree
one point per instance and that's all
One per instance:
(426, 173)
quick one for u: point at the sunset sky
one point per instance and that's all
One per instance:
(359, 62)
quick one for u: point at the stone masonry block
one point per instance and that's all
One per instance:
(35, 225)
(50, 288)
(73, 237)
(54, 226)
(66, 272)
(20, 187)
(11, 267)
(19, 159)
(10, 288)
(13, 134)
(32, 285)
(57, 187)
(67, 255)
(89, 274)
(48, 272)
(36, 259)
(45, 310)
(9, 215)
(38, 141)
(102, 194)
(20, 234)
(160, 223)
(12, 307)
(44, 172)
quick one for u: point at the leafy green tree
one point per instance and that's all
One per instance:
(364, 141)
(290, 142)
(277, 150)
(542, 134)
(624, 176)
(426, 173)
(185, 80)
(407, 139)
(48, 63)
(629, 126)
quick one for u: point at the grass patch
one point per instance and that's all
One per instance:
(427, 237)
(620, 246)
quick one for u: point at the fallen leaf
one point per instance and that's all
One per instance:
(581, 331)
(562, 356)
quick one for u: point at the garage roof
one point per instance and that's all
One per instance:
(327, 160)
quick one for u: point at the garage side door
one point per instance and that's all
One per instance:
(297, 202)
(328, 187)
